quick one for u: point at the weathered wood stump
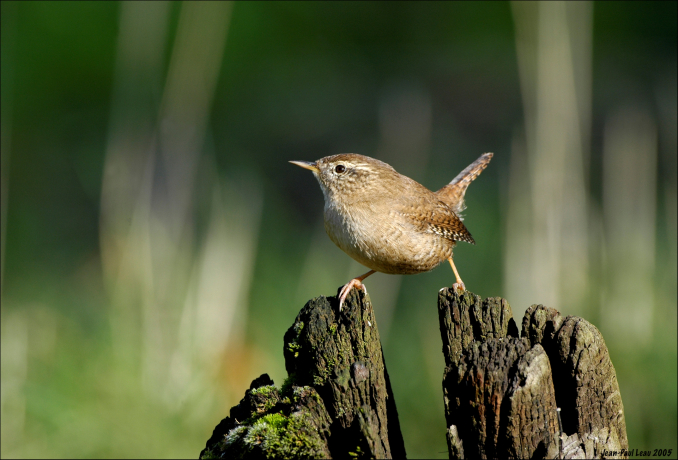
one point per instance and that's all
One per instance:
(336, 402)
(501, 392)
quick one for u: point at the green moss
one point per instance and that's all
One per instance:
(208, 454)
(357, 453)
(267, 390)
(323, 372)
(299, 391)
(268, 405)
(322, 376)
(265, 432)
(278, 436)
(343, 376)
(265, 397)
(274, 421)
(287, 384)
(233, 436)
(294, 347)
(333, 329)
(301, 439)
(331, 363)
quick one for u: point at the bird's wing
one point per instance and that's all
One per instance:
(437, 218)
(453, 193)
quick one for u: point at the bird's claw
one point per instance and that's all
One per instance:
(347, 288)
(458, 287)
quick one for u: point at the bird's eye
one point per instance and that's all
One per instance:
(339, 169)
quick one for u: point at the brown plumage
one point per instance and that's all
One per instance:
(453, 193)
(387, 221)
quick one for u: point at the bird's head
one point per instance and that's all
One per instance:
(345, 174)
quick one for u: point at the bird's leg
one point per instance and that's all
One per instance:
(355, 282)
(459, 285)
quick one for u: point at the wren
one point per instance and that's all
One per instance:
(387, 221)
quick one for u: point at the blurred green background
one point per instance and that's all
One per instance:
(156, 244)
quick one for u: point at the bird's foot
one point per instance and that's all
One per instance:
(458, 287)
(355, 282)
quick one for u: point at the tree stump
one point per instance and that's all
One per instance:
(337, 399)
(502, 392)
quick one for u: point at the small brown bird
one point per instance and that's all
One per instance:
(387, 221)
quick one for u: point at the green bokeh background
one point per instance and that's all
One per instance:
(296, 81)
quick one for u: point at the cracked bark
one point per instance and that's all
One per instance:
(501, 391)
(338, 393)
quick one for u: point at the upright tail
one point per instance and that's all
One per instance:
(453, 193)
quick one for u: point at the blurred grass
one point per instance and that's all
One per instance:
(425, 86)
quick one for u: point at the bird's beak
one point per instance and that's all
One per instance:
(306, 165)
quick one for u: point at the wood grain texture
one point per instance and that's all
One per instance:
(501, 392)
(337, 401)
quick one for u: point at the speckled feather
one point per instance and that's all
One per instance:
(453, 193)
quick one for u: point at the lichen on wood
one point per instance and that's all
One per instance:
(268, 424)
(337, 399)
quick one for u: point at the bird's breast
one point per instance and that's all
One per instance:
(380, 238)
